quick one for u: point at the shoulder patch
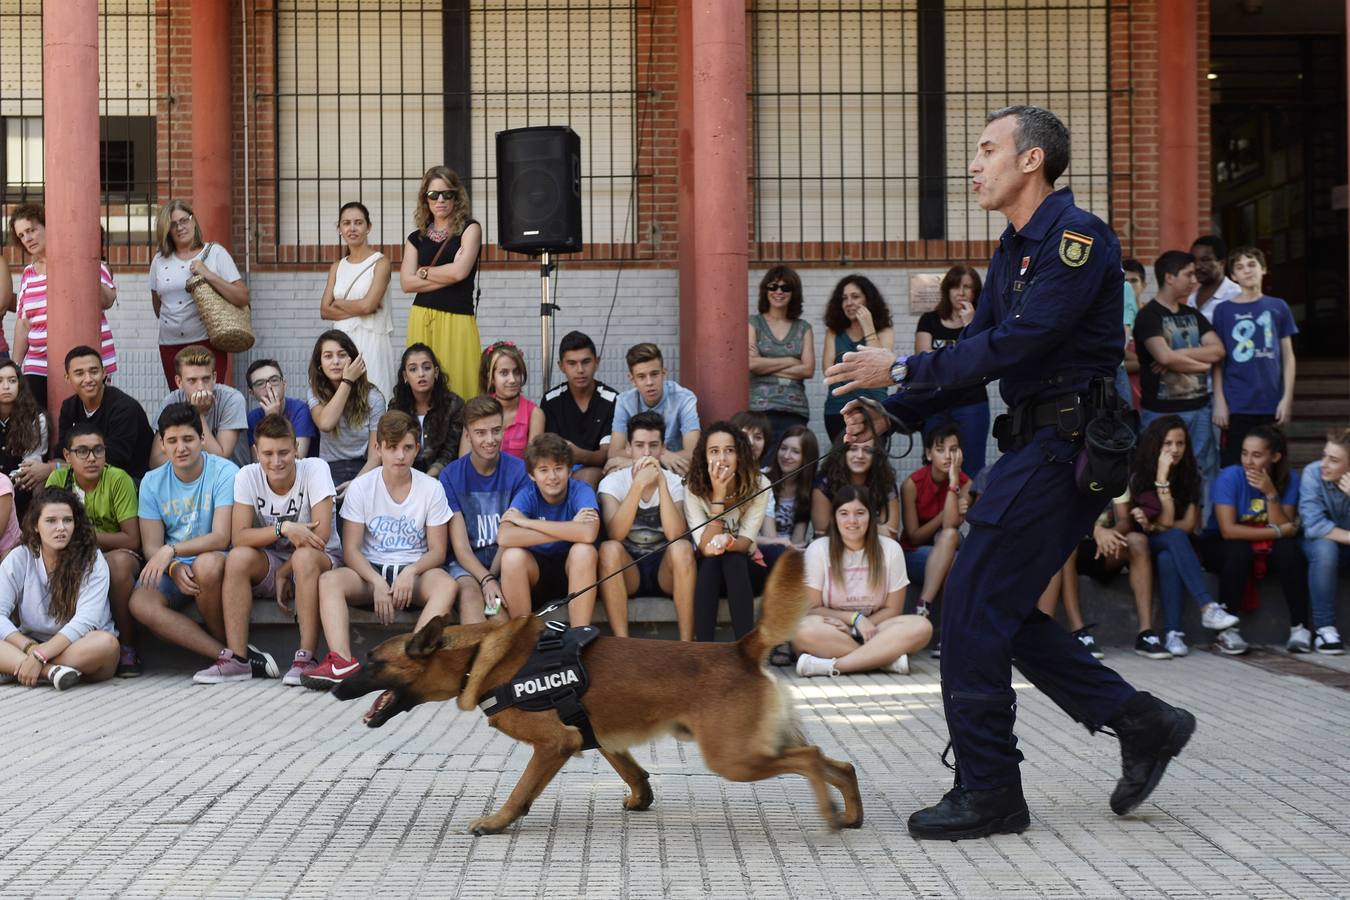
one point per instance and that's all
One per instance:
(1074, 248)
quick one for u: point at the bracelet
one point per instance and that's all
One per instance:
(869, 337)
(28, 647)
(1162, 484)
(43, 659)
(278, 529)
(954, 488)
(484, 580)
(172, 563)
(348, 382)
(1279, 532)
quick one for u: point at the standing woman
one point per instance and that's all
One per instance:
(23, 435)
(354, 300)
(346, 408)
(6, 303)
(422, 394)
(28, 225)
(57, 582)
(960, 292)
(856, 316)
(782, 354)
(440, 260)
(722, 473)
(502, 375)
(182, 254)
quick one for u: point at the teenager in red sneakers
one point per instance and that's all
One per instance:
(395, 533)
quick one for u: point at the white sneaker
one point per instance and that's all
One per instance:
(809, 666)
(1176, 643)
(1300, 640)
(1230, 641)
(63, 678)
(1328, 641)
(1215, 617)
(899, 666)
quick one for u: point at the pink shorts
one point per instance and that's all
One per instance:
(267, 588)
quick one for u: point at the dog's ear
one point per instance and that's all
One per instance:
(428, 639)
(493, 647)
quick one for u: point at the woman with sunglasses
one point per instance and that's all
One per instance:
(440, 259)
(183, 253)
(782, 354)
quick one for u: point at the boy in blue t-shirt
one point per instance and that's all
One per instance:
(479, 487)
(1254, 383)
(548, 533)
(268, 386)
(184, 510)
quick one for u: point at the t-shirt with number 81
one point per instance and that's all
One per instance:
(1253, 367)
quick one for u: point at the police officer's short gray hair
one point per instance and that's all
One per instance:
(1039, 127)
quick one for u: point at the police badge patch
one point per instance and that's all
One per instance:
(1074, 248)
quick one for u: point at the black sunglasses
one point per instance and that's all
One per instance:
(781, 287)
(439, 195)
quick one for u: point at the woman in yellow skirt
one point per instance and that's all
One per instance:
(440, 260)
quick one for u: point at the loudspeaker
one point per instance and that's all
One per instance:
(539, 190)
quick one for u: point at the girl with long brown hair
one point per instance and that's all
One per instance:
(722, 473)
(346, 407)
(23, 435)
(855, 584)
(790, 525)
(57, 581)
(440, 259)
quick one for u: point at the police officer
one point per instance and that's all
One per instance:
(1048, 323)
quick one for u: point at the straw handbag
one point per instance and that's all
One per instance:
(229, 328)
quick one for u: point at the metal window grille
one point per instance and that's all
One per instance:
(866, 114)
(129, 151)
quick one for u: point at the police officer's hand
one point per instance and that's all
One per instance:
(863, 421)
(866, 367)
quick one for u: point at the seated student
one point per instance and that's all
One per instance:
(1256, 515)
(57, 582)
(185, 509)
(118, 417)
(790, 524)
(223, 410)
(934, 505)
(722, 474)
(581, 409)
(1163, 503)
(267, 383)
(652, 391)
(1324, 507)
(23, 435)
(9, 536)
(479, 487)
(642, 507)
(756, 428)
(346, 408)
(422, 393)
(855, 588)
(1254, 382)
(862, 465)
(548, 533)
(502, 374)
(109, 498)
(284, 538)
(394, 540)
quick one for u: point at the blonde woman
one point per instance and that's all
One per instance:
(182, 253)
(354, 298)
(440, 259)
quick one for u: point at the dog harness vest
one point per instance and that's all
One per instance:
(552, 678)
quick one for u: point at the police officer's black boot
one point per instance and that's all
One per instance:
(1151, 732)
(963, 813)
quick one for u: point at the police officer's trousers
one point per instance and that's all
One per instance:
(990, 621)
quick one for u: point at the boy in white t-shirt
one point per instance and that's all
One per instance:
(642, 506)
(284, 539)
(395, 531)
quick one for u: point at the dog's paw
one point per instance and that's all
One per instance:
(485, 825)
(855, 822)
(639, 801)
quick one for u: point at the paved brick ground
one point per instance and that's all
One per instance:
(158, 787)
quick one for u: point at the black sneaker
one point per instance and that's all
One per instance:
(1151, 732)
(128, 663)
(262, 663)
(1149, 644)
(964, 813)
(1084, 636)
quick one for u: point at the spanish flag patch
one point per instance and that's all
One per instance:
(1074, 248)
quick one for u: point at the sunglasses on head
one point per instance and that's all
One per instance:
(439, 195)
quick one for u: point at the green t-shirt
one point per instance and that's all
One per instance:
(109, 504)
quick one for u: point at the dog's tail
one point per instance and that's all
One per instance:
(783, 607)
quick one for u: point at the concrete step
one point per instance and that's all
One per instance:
(1337, 408)
(1324, 365)
(1322, 386)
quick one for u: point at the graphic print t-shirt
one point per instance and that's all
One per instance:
(481, 499)
(1170, 391)
(396, 533)
(1254, 367)
(646, 531)
(313, 484)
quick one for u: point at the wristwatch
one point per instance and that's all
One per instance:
(900, 369)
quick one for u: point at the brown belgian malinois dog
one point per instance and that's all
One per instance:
(720, 695)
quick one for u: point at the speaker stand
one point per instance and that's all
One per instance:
(546, 311)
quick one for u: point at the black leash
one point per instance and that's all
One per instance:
(842, 445)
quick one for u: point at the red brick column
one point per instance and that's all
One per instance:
(1179, 110)
(713, 224)
(70, 159)
(213, 136)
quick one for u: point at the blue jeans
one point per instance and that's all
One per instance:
(972, 419)
(1179, 571)
(1325, 556)
(1123, 388)
(1200, 430)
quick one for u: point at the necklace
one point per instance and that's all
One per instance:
(437, 234)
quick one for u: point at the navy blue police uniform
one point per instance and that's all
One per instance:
(1047, 323)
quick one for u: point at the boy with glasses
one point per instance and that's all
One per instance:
(267, 384)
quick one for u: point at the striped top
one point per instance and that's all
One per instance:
(31, 304)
